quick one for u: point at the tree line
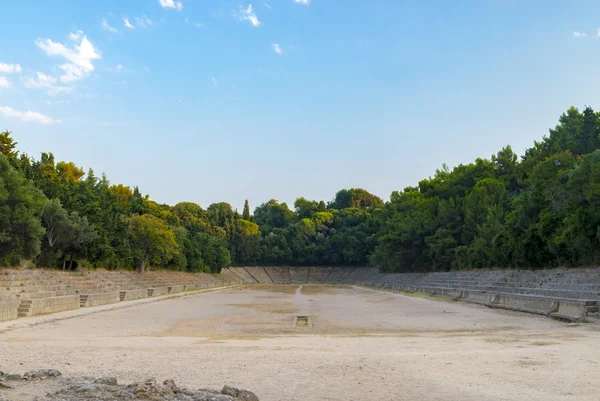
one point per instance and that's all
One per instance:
(539, 210)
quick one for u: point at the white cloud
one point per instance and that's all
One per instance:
(171, 4)
(56, 102)
(598, 31)
(4, 83)
(9, 112)
(118, 68)
(247, 14)
(75, 36)
(277, 49)
(43, 81)
(10, 68)
(214, 82)
(579, 34)
(305, 2)
(267, 5)
(79, 58)
(127, 23)
(107, 26)
(199, 25)
(143, 21)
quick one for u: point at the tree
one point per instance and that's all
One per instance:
(246, 212)
(355, 197)
(57, 224)
(7, 145)
(151, 240)
(21, 206)
(81, 234)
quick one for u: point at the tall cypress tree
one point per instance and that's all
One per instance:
(246, 212)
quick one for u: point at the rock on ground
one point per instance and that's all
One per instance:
(108, 389)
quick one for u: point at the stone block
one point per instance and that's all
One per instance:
(130, 295)
(571, 310)
(480, 298)
(8, 310)
(176, 288)
(530, 304)
(158, 291)
(42, 306)
(104, 298)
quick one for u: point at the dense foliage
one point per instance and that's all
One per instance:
(540, 210)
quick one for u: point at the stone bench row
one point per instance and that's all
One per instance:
(565, 308)
(11, 309)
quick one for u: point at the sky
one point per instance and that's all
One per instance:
(218, 100)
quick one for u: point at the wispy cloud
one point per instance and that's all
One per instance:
(247, 14)
(28, 116)
(127, 23)
(579, 34)
(277, 49)
(598, 31)
(43, 81)
(171, 4)
(267, 5)
(79, 58)
(214, 82)
(56, 102)
(305, 2)
(143, 21)
(4, 83)
(106, 26)
(10, 68)
(118, 68)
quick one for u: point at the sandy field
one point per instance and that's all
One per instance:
(364, 345)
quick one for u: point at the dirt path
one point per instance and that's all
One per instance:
(364, 345)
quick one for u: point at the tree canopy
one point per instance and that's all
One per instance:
(538, 210)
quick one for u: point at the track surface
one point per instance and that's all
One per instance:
(364, 345)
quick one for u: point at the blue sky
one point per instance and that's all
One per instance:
(210, 101)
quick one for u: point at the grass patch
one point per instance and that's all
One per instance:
(544, 343)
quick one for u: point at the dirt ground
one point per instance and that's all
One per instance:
(364, 345)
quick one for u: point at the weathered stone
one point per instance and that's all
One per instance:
(212, 397)
(109, 381)
(108, 389)
(239, 395)
(41, 374)
(4, 385)
(12, 376)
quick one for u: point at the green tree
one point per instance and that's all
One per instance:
(151, 240)
(21, 206)
(246, 212)
(8, 145)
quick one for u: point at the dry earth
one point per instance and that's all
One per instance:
(364, 345)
